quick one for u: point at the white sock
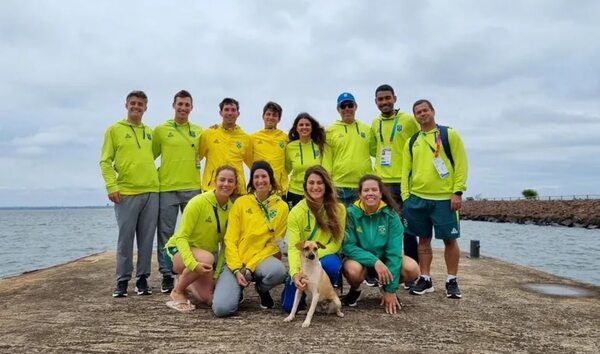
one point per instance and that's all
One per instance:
(450, 277)
(426, 277)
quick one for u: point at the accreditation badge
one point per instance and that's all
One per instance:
(440, 167)
(386, 157)
(198, 161)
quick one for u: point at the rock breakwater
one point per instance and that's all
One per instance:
(571, 213)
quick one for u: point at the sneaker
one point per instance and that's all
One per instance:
(167, 284)
(421, 287)
(351, 298)
(121, 289)
(409, 285)
(141, 286)
(266, 301)
(452, 290)
(371, 281)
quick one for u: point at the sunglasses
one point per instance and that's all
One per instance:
(347, 105)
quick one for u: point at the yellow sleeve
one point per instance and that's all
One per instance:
(249, 153)
(295, 225)
(281, 225)
(107, 157)
(203, 145)
(156, 143)
(328, 156)
(460, 161)
(373, 140)
(406, 169)
(232, 236)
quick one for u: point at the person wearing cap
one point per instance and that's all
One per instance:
(349, 157)
(257, 221)
(225, 144)
(176, 141)
(389, 132)
(127, 164)
(269, 143)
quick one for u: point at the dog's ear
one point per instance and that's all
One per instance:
(300, 245)
(320, 245)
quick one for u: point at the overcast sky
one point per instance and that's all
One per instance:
(520, 81)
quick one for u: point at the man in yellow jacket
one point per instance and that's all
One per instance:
(269, 144)
(227, 143)
(176, 141)
(127, 164)
(349, 157)
(432, 188)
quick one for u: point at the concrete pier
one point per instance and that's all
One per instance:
(69, 308)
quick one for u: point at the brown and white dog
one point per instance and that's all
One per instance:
(318, 285)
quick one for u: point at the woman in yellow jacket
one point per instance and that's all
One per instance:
(195, 250)
(257, 221)
(318, 217)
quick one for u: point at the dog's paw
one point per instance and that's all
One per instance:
(339, 314)
(305, 324)
(288, 319)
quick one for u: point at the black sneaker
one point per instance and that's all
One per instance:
(141, 286)
(167, 284)
(121, 289)
(421, 287)
(351, 298)
(371, 281)
(452, 290)
(266, 301)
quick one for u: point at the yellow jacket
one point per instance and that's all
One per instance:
(269, 145)
(251, 234)
(225, 146)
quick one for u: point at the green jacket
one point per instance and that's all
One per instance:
(373, 237)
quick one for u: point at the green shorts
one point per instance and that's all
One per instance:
(424, 214)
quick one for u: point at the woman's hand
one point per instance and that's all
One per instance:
(300, 281)
(203, 268)
(390, 303)
(241, 277)
(383, 273)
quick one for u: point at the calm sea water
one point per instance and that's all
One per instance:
(38, 238)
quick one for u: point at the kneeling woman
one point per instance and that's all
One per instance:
(256, 222)
(195, 246)
(317, 217)
(373, 244)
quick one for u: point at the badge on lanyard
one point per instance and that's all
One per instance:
(386, 157)
(198, 160)
(440, 166)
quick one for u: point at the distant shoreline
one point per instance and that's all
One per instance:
(56, 207)
(570, 213)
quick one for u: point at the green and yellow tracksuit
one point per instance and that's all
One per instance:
(225, 146)
(253, 230)
(349, 158)
(202, 226)
(269, 145)
(177, 145)
(127, 159)
(391, 133)
(373, 237)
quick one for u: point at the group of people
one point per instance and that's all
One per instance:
(351, 187)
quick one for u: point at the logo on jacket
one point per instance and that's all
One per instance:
(238, 144)
(359, 229)
(381, 229)
(272, 213)
(399, 128)
(193, 134)
(127, 136)
(249, 211)
(170, 135)
(282, 144)
(216, 141)
(208, 219)
(148, 136)
(363, 135)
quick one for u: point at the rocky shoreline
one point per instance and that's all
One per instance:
(570, 213)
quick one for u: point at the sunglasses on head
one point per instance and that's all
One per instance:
(345, 105)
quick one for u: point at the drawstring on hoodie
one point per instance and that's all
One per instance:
(135, 135)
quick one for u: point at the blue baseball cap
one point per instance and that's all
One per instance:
(345, 97)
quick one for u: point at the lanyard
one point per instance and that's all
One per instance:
(135, 135)
(312, 144)
(392, 134)
(191, 133)
(438, 143)
(356, 125)
(266, 214)
(314, 229)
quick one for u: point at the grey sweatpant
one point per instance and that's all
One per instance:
(136, 217)
(170, 203)
(268, 274)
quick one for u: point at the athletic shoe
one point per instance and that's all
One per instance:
(141, 286)
(121, 289)
(371, 281)
(452, 290)
(266, 301)
(351, 298)
(421, 287)
(167, 284)
(408, 285)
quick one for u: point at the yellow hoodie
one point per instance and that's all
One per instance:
(252, 234)
(269, 145)
(127, 160)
